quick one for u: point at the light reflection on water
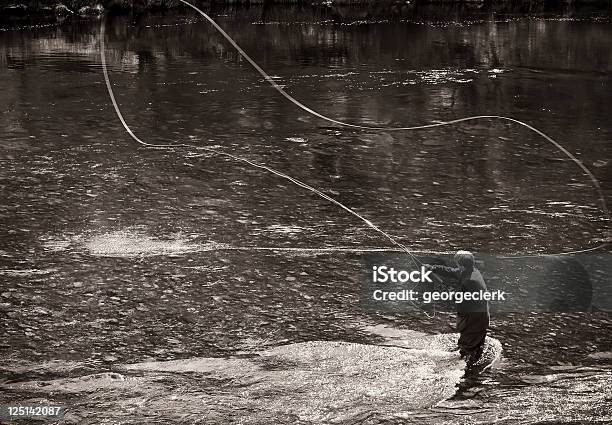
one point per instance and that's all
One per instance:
(71, 176)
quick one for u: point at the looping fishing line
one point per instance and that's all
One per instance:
(299, 104)
(303, 185)
(242, 159)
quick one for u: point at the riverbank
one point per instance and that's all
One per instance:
(31, 8)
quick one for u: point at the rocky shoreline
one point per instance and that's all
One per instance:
(82, 7)
(28, 8)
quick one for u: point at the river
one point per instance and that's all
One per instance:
(117, 259)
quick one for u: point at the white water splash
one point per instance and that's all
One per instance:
(26, 272)
(130, 243)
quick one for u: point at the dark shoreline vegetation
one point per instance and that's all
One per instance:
(16, 9)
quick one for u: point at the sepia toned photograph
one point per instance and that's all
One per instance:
(281, 212)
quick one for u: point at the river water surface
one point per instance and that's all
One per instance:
(113, 254)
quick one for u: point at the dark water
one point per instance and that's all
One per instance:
(112, 253)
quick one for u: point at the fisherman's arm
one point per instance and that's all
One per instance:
(444, 273)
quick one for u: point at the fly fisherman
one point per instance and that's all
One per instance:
(472, 315)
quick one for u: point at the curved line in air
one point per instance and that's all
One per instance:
(337, 122)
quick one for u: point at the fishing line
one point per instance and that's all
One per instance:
(347, 249)
(305, 108)
(236, 158)
(241, 159)
(326, 118)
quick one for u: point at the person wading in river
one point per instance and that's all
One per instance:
(472, 315)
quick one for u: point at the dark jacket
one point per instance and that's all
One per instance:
(472, 316)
